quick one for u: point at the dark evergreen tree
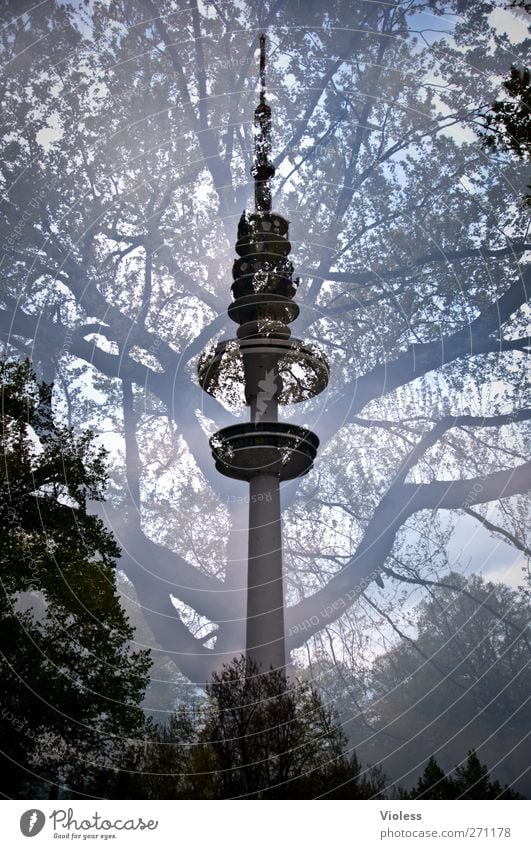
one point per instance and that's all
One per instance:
(472, 781)
(434, 783)
(158, 767)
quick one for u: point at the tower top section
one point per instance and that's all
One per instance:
(264, 366)
(263, 169)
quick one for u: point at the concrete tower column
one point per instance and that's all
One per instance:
(265, 595)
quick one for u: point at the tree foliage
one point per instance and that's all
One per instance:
(71, 682)
(258, 736)
(268, 740)
(470, 780)
(128, 145)
(461, 677)
(507, 123)
(255, 737)
(509, 120)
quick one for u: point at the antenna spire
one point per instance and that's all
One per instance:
(263, 169)
(262, 68)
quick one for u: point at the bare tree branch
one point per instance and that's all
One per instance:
(496, 529)
(363, 278)
(402, 500)
(206, 135)
(477, 337)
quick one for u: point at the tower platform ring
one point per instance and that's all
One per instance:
(303, 369)
(271, 448)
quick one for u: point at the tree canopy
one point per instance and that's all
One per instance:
(265, 740)
(460, 678)
(507, 122)
(127, 148)
(71, 682)
(256, 736)
(471, 780)
(509, 119)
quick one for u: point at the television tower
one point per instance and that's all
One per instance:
(272, 368)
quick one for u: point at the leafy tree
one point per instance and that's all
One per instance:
(462, 678)
(265, 739)
(507, 123)
(254, 737)
(126, 170)
(71, 683)
(158, 766)
(509, 119)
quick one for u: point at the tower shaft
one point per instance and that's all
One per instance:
(265, 642)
